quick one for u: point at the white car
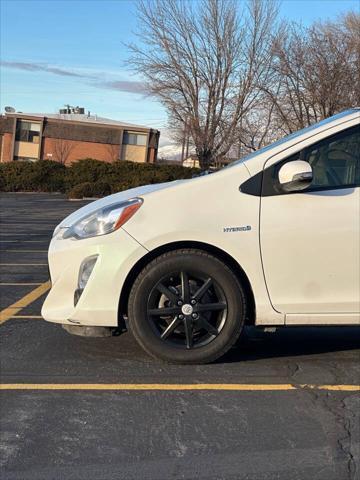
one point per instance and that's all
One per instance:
(272, 240)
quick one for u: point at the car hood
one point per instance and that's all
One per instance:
(116, 197)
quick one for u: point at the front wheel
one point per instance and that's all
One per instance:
(186, 306)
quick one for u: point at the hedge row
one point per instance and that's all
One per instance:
(86, 177)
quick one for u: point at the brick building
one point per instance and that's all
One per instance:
(73, 135)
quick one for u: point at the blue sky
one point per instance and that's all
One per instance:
(72, 51)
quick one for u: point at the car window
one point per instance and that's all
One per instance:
(336, 160)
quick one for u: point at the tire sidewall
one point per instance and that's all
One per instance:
(191, 262)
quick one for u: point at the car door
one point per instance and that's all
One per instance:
(310, 239)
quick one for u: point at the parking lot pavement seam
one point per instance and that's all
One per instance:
(23, 241)
(22, 224)
(23, 264)
(23, 302)
(24, 251)
(13, 234)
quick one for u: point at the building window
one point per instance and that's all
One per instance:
(130, 138)
(25, 159)
(27, 131)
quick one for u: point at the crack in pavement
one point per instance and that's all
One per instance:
(293, 368)
(338, 407)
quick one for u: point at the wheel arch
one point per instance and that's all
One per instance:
(215, 251)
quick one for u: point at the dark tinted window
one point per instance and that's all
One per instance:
(27, 131)
(134, 139)
(336, 160)
(25, 159)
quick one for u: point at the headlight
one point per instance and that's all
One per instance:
(56, 231)
(105, 220)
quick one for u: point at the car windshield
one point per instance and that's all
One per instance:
(292, 136)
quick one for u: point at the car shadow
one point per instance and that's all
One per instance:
(292, 341)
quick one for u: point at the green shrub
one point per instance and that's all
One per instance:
(88, 189)
(104, 178)
(121, 187)
(87, 170)
(41, 176)
(80, 191)
(49, 176)
(101, 189)
(136, 174)
(16, 176)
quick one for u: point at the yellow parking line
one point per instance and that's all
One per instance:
(341, 388)
(30, 317)
(170, 386)
(140, 386)
(24, 302)
(19, 284)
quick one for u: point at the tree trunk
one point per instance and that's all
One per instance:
(205, 157)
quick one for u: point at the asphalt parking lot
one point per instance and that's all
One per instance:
(99, 408)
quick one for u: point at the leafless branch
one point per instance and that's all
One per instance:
(62, 149)
(206, 62)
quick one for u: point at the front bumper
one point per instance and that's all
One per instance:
(98, 305)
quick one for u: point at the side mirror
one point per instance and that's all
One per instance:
(295, 176)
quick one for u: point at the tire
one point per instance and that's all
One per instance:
(186, 306)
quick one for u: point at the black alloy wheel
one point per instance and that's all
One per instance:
(186, 306)
(187, 311)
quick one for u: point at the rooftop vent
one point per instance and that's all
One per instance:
(69, 109)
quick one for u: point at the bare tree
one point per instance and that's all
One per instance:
(112, 150)
(206, 62)
(317, 72)
(257, 127)
(62, 149)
